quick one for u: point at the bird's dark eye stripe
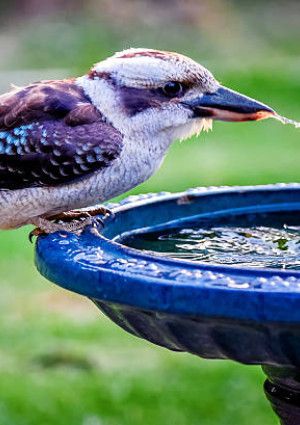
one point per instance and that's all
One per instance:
(173, 89)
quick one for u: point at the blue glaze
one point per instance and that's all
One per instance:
(250, 315)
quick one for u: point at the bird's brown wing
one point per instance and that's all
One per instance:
(44, 101)
(51, 134)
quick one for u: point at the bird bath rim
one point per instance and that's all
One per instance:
(98, 267)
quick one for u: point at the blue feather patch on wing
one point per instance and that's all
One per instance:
(52, 152)
(14, 139)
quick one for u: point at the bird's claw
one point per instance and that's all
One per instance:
(101, 210)
(35, 233)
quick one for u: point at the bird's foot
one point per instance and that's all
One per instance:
(73, 221)
(35, 233)
(46, 226)
(100, 210)
(82, 214)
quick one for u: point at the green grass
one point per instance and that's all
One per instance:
(61, 362)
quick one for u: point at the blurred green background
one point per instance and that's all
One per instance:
(60, 361)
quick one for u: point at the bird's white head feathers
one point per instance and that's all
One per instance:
(147, 68)
(128, 89)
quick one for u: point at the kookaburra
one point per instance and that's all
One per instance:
(69, 144)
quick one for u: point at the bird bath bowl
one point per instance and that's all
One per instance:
(243, 313)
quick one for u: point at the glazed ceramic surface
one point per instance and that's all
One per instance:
(215, 311)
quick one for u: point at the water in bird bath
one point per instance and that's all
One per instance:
(253, 240)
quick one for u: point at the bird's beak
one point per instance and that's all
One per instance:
(227, 105)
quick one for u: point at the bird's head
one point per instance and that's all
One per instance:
(152, 92)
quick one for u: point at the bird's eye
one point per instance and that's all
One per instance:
(172, 89)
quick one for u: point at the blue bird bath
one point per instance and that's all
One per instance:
(247, 314)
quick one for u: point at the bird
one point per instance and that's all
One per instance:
(66, 145)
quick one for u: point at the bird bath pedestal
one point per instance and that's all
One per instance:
(246, 314)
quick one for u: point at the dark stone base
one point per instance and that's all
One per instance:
(282, 389)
